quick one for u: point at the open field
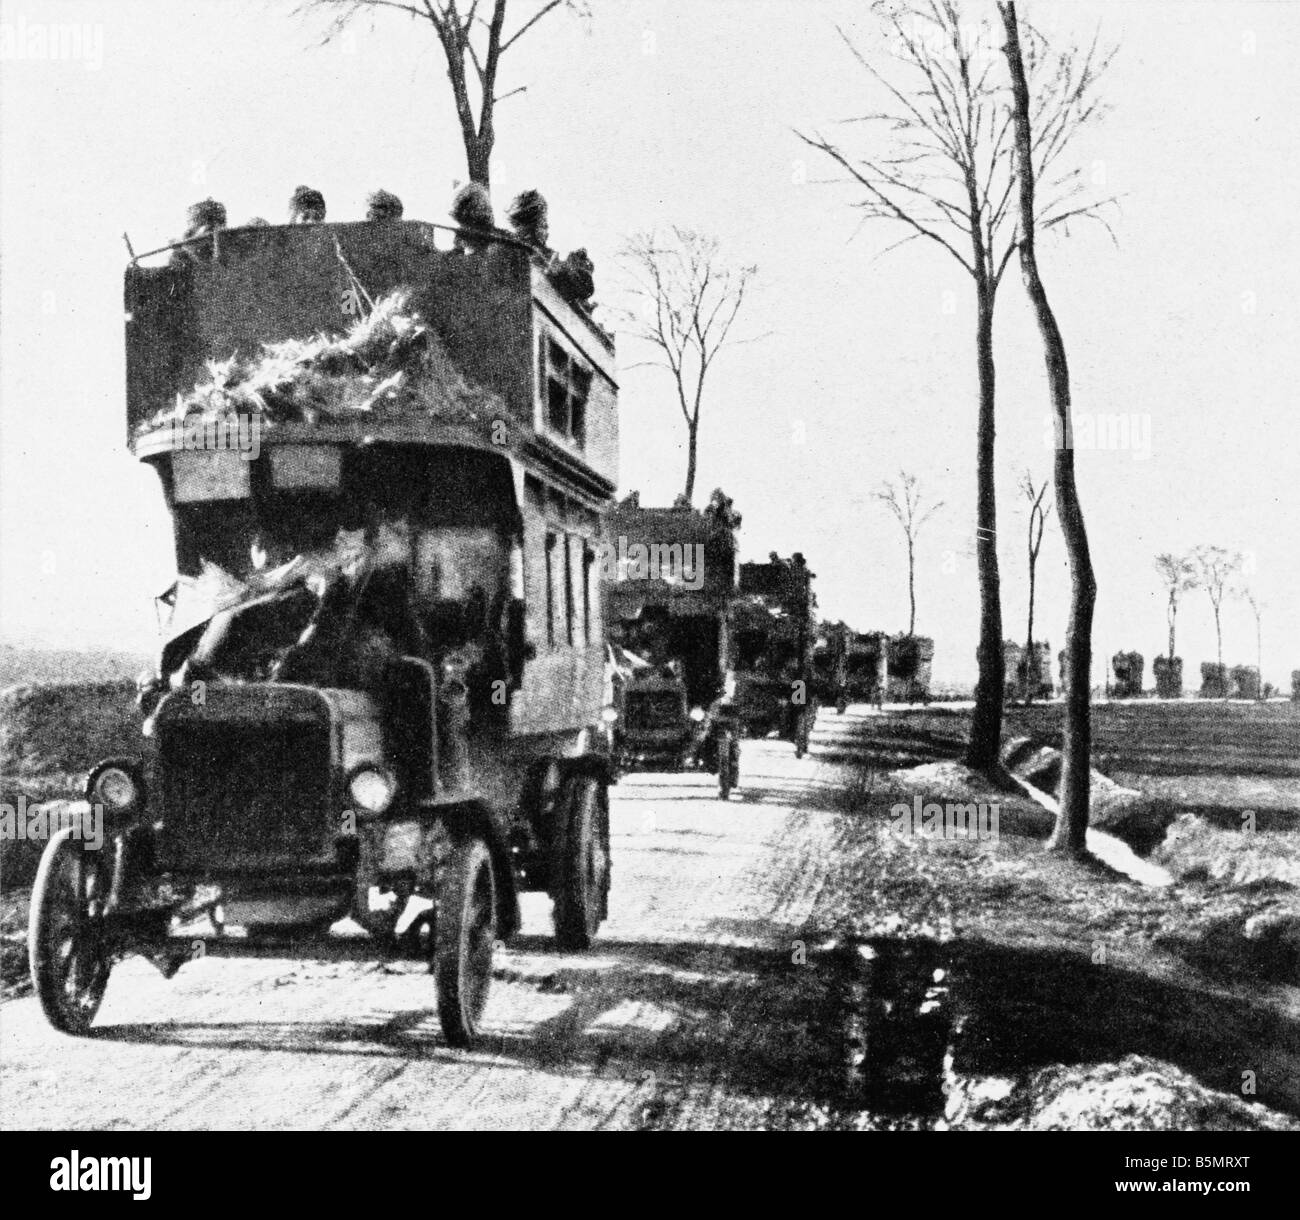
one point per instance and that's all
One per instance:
(1209, 758)
(1190, 737)
(21, 664)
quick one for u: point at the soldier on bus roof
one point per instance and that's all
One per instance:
(471, 208)
(528, 217)
(306, 206)
(202, 218)
(574, 276)
(383, 205)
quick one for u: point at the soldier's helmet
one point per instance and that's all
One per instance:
(383, 205)
(575, 277)
(306, 206)
(472, 207)
(204, 217)
(528, 218)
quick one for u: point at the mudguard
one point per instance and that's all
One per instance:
(598, 765)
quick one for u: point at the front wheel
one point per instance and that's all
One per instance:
(580, 867)
(465, 933)
(66, 944)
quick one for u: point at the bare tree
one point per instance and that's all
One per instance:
(1178, 574)
(904, 501)
(688, 298)
(1216, 567)
(1257, 608)
(473, 44)
(942, 174)
(1034, 543)
(1071, 83)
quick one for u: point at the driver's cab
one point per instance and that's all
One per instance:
(415, 544)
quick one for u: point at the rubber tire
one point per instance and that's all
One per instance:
(51, 903)
(465, 933)
(581, 867)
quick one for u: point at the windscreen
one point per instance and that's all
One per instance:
(444, 519)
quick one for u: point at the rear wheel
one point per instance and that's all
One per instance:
(465, 932)
(580, 890)
(66, 945)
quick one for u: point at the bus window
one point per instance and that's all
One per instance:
(550, 588)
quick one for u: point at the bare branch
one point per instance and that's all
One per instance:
(889, 207)
(689, 298)
(458, 24)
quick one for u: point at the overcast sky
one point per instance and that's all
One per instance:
(684, 112)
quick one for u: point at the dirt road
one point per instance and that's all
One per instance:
(695, 1010)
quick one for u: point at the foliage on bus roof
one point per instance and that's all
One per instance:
(390, 363)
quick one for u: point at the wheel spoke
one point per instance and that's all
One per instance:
(464, 940)
(70, 967)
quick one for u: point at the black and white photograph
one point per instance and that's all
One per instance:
(650, 565)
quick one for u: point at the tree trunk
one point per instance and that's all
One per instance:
(1173, 616)
(1070, 835)
(911, 587)
(1259, 659)
(1218, 636)
(986, 723)
(692, 433)
(1031, 666)
(478, 157)
(477, 138)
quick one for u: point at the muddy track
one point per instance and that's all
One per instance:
(703, 1004)
(778, 961)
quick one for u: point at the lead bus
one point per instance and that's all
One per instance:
(376, 714)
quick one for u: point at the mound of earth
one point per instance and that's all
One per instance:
(1137, 1093)
(51, 735)
(1195, 850)
(65, 727)
(950, 782)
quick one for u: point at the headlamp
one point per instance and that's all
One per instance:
(116, 789)
(371, 788)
